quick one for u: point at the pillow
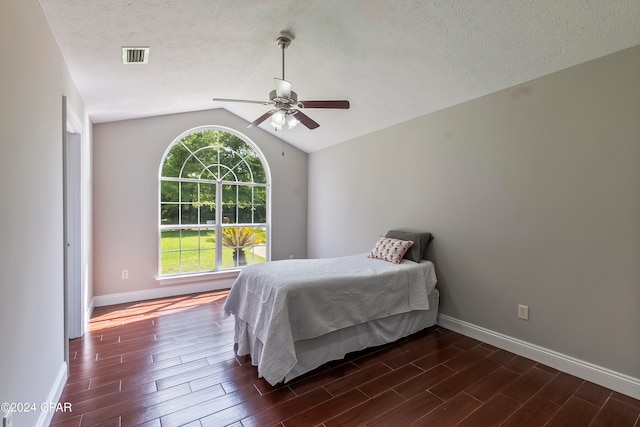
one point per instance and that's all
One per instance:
(391, 250)
(420, 243)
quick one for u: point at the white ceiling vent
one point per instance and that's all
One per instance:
(135, 55)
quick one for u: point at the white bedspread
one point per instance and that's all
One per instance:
(285, 301)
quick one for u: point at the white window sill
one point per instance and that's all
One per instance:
(198, 277)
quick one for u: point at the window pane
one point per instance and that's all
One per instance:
(209, 158)
(189, 214)
(189, 261)
(169, 214)
(260, 214)
(207, 260)
(207, 193)
(245, 204)
(174, 160)
(229, 204)
(228, 160)
(208, 214)
(243, 246)
(260, 195)
(245, 195)
(170, 247)
(207, 203)
(169, 191)
(208, 239)
(256, 166)
(257, 255)
(189, 191)
(170, 240)
(233, 253)
(229, 214)
(242, 170)
(229, 193)
(201, 139)
(259, 204)
(209, 173)
(189, 239)
(260, 235)
(245, 215)
(170, 263)
(192, 168)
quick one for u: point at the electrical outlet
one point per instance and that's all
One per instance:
(7, 420)
(523, 312)
(125, 274)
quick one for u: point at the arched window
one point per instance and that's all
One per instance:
(214, 195)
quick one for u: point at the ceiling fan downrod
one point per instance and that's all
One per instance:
(284, 40)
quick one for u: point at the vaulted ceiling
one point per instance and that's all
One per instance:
(393, 59)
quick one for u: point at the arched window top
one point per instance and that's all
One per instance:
(214, 155)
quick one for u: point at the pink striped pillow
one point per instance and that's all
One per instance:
(388, 249)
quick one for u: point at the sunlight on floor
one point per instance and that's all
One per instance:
(151, 309)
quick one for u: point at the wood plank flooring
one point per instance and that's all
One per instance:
(170, 362)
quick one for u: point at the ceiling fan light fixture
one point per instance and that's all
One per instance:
(292, 121)
(278, 119)
(284, 119)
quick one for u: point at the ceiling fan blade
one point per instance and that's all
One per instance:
(283, 88)
(246, 101)
(340, 104)
(262, 118)
(305, 120)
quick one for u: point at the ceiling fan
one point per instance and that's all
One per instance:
(286, 111)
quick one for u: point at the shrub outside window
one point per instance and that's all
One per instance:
(214, 212)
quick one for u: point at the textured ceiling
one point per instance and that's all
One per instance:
(394, 60)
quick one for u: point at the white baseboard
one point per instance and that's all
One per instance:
(54, 396)
(163, 292)
(613, 380)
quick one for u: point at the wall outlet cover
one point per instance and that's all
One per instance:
(523, 312)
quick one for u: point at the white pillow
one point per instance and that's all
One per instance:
(388, 249)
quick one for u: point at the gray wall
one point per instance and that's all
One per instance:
(533, 195)
(33, 80)
(127, 156)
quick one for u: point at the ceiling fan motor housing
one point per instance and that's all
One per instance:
(290, 102)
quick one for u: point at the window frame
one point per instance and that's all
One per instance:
(218, 226)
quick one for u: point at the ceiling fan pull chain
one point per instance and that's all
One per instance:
(282, 142)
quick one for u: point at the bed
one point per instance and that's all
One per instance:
(292, 316)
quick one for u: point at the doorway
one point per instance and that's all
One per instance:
(74, 292)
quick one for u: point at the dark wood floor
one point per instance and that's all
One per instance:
(170, 362)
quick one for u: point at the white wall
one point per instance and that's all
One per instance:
(127, 156)
(33, 81)
(533, 196)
